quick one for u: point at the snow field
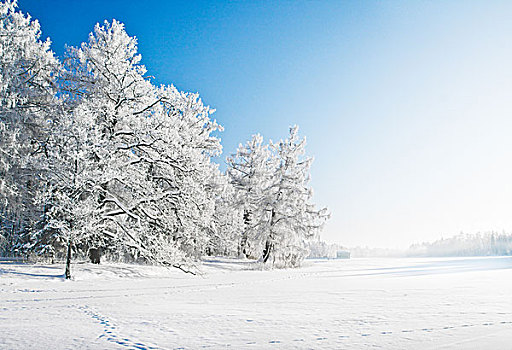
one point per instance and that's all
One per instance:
(461, 303)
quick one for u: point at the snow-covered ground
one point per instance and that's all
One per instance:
(463, 303)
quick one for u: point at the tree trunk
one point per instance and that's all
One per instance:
(268, 249)
(243, 245)
(68, 261)
(95, 255)
(269, 245)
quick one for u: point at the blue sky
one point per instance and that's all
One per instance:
(406, 105)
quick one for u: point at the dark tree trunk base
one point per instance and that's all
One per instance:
(68, 261)
(267, 251)
(95, 255)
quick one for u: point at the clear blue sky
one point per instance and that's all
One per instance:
(406, 105)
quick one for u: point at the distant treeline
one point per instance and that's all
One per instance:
(478, 244)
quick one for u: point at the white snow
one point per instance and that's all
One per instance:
(460, 303)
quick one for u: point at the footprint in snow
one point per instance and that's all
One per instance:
(109, 331)
(141, 347)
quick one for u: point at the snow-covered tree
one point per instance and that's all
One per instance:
(137, 157)
(272, 186)
(28, 107)
(227, 225)
(175, 150)
(293, 218)
(252, 173)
